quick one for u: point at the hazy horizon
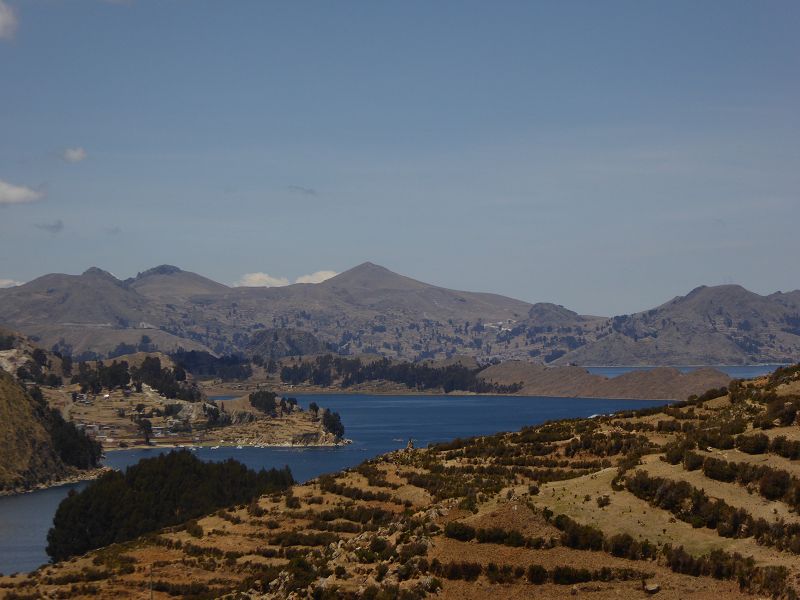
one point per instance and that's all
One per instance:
(602, 157)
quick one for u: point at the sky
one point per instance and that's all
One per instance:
(606, 156)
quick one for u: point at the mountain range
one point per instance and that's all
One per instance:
(370, 309)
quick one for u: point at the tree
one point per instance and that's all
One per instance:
(40, 357)
(146, 427)
(314, 408)
(156, 492)
(332, 422)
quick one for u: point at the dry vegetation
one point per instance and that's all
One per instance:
(681, 502)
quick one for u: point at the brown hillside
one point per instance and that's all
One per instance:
(28, 456)
(657, 384)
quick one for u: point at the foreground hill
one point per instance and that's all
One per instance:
(369, 309)
(695, 500)
(36, 445)
(29, 456)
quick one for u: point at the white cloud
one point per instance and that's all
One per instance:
(266, 280)
(8, 21)
(74, 155)
(261, 280)
(17, 194)
(7, 283)
(316, 277)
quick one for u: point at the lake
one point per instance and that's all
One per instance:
(734, 371)
(376, 424)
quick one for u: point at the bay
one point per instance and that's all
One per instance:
(376, 424)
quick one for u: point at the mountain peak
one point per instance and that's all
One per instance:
(549, 313)
(367, 267)
(372, 276)
(98, 272)
(160, 270)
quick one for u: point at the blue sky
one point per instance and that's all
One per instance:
(602, 155)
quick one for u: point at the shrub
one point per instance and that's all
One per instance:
(459, 531)
(753, 444)
(774, 485)
(569, 575)
(537, 574)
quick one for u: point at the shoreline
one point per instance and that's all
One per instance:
(88, 475)
(215, 445)
(343, 392)
(326, 391)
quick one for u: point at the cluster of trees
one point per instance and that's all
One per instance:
(717, 564)
(169, 382)
(535, 574)
(708, 395)
(34, 370)
(205, 365)
(328, 483)
(155, 493)
(145, 345)
(696, 508)
(781, 410)
(773, 484)
(332, 422)
(94, 380)
(459, 530)
(722, 565)
(7, 342)
(326, 370)
(268, 403)
(264, 401)
(611, 444)
(74, 447)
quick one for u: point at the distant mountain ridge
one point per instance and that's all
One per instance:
(370, 309)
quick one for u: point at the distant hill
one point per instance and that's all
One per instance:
(168, 284)
(725, 324)
(272, 344)
(370, 309)
(664, 383)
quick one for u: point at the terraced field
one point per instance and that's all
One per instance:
(696, 500)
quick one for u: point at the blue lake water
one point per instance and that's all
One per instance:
(376, 424)
(735, 371)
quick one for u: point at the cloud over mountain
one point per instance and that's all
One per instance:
(316, 277)
(261, 279)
